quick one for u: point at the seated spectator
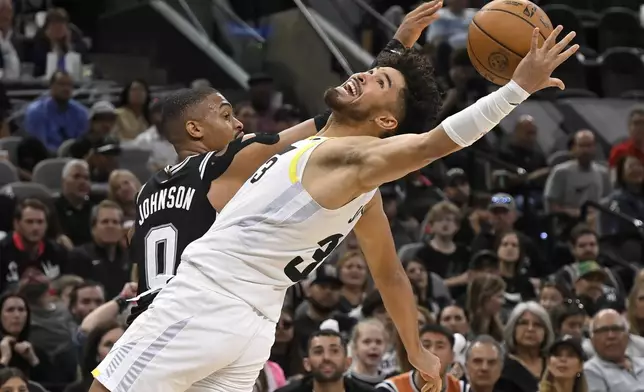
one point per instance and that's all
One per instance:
(503, 216)
(367, 346)
(132, 114)
(12, 43)
(589, 286)
(439, 253)
(73, 206)
(571, 184)
(511, 255)
(57, 36)
(57, 117)
(635, 143)
(286, 117)
(569, 319)
(432, 292)
(51, 333)
(551, 295)
(103, 259)
(262, 93)
(565, 369)
(116, 309)
(84, 299)
(627, 198)
(453, 317)
(15, 349)
(103, 160)
(527, 335)
(30, 152)
(353, 272)
(27, 248)
(246, 114)
(483, 365)
(99, 343)
(286, 351)
(63, 286)
(403, 230)
(635, 309)
(613, 369)
(123, 187)
(326, 362)
(440, 342)
(452, 24)
(154, 139)
(483, 304)
(270, 378)
(102, 118)
(13, 380)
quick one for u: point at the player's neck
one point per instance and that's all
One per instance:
(336, 128)
(184, 152)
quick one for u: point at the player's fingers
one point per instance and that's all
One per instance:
(426, 9)
(552, 38)
(534, 42)
(561, 45)
(556, 82)
(566, 54)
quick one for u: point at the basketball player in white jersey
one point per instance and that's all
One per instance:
(211, 328)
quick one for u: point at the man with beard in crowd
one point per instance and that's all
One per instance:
(326, 362)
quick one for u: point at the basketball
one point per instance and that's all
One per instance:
(500, 34)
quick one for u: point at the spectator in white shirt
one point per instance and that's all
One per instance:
(153, 139)
(452, 24)
(11, 43)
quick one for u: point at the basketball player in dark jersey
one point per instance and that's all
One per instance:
(180, 203)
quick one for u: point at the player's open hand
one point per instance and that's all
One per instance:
(429, 367)
(533, 72)
(416, 21)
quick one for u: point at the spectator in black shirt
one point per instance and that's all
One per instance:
(503, 216)
(85, 298)
(327, 361)
(73, 206)
(27, 248)
(440, 254)
(15, 323)
(511, 255)
(102, 117)
(103, 259)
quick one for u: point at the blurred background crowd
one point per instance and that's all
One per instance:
(524, 250)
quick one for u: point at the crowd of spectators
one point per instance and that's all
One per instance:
(508, 303)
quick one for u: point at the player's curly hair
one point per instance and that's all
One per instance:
(421, 95)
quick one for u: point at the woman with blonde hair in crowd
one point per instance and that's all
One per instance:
(368, 343)
(635, 309)
(123, 187)
(527, 336)
(483, 304)
(565, 367)
(352, 271)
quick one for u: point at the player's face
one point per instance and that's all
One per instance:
(218, 126)
(369, 96)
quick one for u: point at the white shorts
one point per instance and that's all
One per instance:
(194, 337)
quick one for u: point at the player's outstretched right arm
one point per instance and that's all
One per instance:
(383, 160)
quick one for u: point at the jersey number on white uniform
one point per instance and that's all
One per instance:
(327, 246)
(160, 249)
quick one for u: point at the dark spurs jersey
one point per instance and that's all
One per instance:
(173, 210)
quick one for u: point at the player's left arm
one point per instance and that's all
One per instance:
(374, 236)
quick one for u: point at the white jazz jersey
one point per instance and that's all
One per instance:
(272, 234)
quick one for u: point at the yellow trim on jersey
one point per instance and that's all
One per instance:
(96, 372)
(292, 168)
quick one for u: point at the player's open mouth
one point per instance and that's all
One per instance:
(352, 87)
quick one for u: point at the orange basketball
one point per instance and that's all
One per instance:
(500, 34)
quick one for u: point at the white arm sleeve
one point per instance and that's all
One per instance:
(470, 124)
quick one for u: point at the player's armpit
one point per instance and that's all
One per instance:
(385, 160)
(374, 236)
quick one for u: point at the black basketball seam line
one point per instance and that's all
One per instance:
(482, 63)
(527, 21)
(497, 41)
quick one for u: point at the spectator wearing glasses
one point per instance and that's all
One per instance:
(527, 335)
(57, 117)
(503, 216)
(614, 368)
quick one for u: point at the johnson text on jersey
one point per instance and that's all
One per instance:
(173, 197)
